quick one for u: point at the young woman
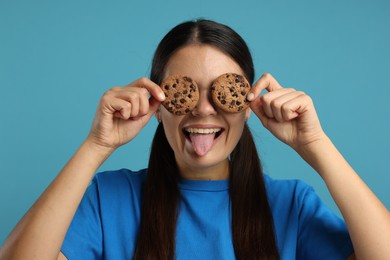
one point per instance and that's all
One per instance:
(214, 204)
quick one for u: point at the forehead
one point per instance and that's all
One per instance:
(201, 62)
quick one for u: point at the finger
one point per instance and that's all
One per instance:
(278, 103)
(266, 81)
(296, 106)
(119, 108)
(144, 102)
(152, 88)
(289, 108)
(153, 106)
(134, 99)
(138, 97)
(269, 101)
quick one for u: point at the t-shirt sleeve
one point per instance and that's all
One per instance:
(84, 237)
(322, 234)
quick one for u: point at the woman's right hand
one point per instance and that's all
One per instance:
(123, 112)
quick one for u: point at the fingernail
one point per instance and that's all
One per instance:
(161, 95)
(250, 96)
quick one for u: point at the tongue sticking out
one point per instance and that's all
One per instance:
(202, 143)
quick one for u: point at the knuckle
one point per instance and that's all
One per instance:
(309, 99)
(285, 108)
(286, 113)
(107, 93)
(266, 99)
(115, 89)
(127, 105)
(111, 92)
(275, 103)
(143, 91)
(267, 75)
(132, 96)
(105, 98)
(143, 80)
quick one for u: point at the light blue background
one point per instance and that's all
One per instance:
(58, 57)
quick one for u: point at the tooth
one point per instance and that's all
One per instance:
(203, 130)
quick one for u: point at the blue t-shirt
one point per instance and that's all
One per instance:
(107, 221)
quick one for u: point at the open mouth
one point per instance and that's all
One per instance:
(202, 139)
(204, 131)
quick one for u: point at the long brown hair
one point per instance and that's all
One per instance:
(252, 224)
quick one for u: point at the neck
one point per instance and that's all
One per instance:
(215, 172)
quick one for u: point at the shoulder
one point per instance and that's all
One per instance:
(286, 188)
(110, 209)
(119, 181)
(297, 200)
(288, 196)
(304, 222)
(120, 176)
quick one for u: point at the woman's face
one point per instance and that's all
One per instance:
(203, 139)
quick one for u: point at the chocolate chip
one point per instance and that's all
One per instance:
(187, 79)
(181, 93)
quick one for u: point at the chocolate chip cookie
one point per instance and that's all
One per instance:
(229, 92)
(181, 94)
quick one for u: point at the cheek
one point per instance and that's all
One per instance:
(172, 128)
(236, 134)
(236, 126)
(237, 120)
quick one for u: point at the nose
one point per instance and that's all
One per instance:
(205, 106)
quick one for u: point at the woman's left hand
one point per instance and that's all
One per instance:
(287, 113)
